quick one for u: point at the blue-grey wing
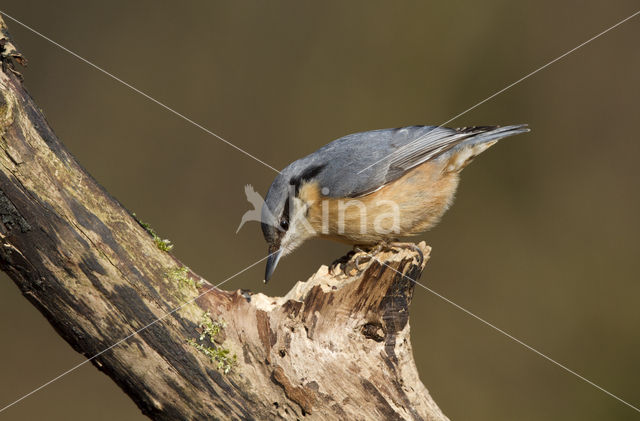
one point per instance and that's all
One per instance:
(361, 163)
(442, 142)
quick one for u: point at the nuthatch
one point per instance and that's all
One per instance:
(371, 187)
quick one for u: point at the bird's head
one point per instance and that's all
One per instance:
(284, 214)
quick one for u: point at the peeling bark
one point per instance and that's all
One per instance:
(335, 347)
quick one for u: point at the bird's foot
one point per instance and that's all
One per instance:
(369, 251)
(364, 253)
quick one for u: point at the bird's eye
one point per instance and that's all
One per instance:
(284, 224)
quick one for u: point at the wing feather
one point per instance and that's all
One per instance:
(361, 163)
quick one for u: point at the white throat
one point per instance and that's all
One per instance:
(299, 227)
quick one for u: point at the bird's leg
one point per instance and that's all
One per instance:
(373, 248)
(360, 258)
(369, 251)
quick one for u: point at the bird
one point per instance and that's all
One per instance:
(371, 188)
(256, 201)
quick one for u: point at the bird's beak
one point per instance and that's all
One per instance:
(272, 262)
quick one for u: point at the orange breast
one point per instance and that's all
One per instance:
(407, 206)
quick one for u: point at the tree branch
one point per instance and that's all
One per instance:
(335, 347)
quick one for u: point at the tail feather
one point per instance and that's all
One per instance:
(481, 139)
(481, 134)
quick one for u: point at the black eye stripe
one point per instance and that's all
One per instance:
(309, 174)
(284, 219)
(285, 212)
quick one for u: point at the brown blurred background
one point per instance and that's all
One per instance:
(542, 240)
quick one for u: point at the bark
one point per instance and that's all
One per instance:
(335, 347)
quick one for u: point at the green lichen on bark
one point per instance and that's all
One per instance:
(206, 343)
(183, 283)
(162, 244)
(180, 275)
